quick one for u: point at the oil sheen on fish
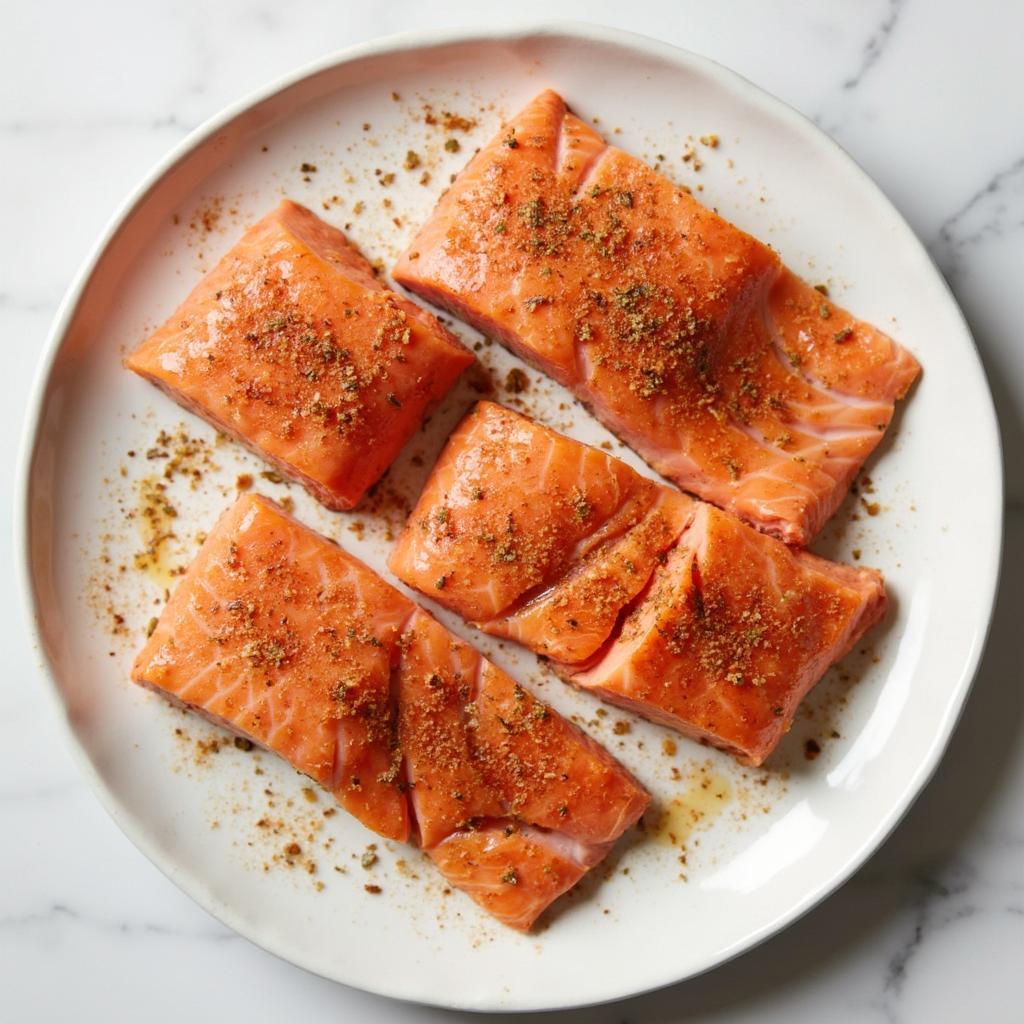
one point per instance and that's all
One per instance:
(684, 335)
(292, 346)
(279, 635)
(533, 536)
(652, 600)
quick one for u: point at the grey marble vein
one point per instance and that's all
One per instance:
(52, 125)
(934, 893)
(58, 912)
(876, 44)
(992, 211)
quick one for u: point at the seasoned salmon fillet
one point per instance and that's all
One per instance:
(655, 601)
(734, 631)
(282, 637)
(532, 536)
(292, 346)
(684, 335)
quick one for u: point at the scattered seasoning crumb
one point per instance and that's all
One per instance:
(812, 749)
(272, 476)
(243, 743)
(307, 168)
(711, 140)
(412, 160)
(368, 859)
(243, 481)
(510, 877)
(453, 122)
(841, 336)
(668, 747)
(452, 145)
(516, 381)
(856, 554)
(621, 728)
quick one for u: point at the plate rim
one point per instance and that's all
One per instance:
(580, 31)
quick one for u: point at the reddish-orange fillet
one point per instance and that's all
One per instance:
(735, 630)
(687, 337)
(654, 601)
(533, 536)
(279, 635)
(292, 346)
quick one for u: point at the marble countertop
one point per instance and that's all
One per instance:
(928, 100)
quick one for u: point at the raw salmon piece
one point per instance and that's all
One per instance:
(513, 803)
(293, 347)
(513, 871)
(438, 683)
(282, 637)
(657, 602)
(279, 635)
(478, 745)
(533, 536)
(684, 335)
(733, 633)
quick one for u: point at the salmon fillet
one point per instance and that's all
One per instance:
(532, 536)
(652, 600)
(293, 347)
(282, 637)
(734, 632)
(687, 337)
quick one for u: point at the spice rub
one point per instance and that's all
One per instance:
(735, 630)
(533, 536)
(655, 601)
(282, 637)
(293, 346)
(684, 335)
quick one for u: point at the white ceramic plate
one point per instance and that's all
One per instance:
(760, 847)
